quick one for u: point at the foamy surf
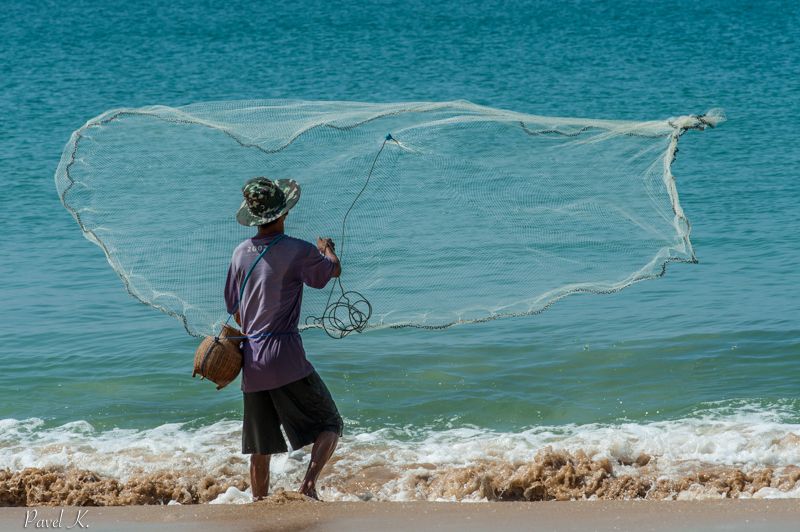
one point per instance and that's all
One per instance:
(749, 453)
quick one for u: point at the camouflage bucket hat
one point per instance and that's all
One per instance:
(265, 200)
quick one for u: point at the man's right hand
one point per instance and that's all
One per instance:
(327, 247)
(325, 243)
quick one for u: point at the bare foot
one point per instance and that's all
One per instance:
(309, 490)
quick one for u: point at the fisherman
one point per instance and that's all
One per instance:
(279, 384)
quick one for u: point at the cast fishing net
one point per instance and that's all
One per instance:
(455, 212)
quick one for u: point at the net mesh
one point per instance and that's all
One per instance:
(470, 213)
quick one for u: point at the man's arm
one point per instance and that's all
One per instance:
(326, 247)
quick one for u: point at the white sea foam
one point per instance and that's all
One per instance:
(234, 496)
(747, 440)
(774, 493)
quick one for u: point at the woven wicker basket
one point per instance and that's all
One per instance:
(219, 359)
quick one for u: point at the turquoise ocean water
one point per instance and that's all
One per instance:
(709, 352)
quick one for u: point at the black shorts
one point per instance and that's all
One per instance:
(304, 408)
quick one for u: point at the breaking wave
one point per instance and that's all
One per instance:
(745, 454)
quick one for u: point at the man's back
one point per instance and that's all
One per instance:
(271, 304)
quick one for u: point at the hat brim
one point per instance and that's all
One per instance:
(291, 190)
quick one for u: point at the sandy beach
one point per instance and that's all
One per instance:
(302, 515)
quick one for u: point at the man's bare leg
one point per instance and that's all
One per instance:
(259, 475)
(323, 448)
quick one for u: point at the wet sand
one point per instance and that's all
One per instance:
(548, 476)
(773, 515)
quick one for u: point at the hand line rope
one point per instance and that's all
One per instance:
(351, 310)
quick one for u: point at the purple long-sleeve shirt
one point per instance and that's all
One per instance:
(271, 303)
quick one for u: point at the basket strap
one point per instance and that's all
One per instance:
(275, 240)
